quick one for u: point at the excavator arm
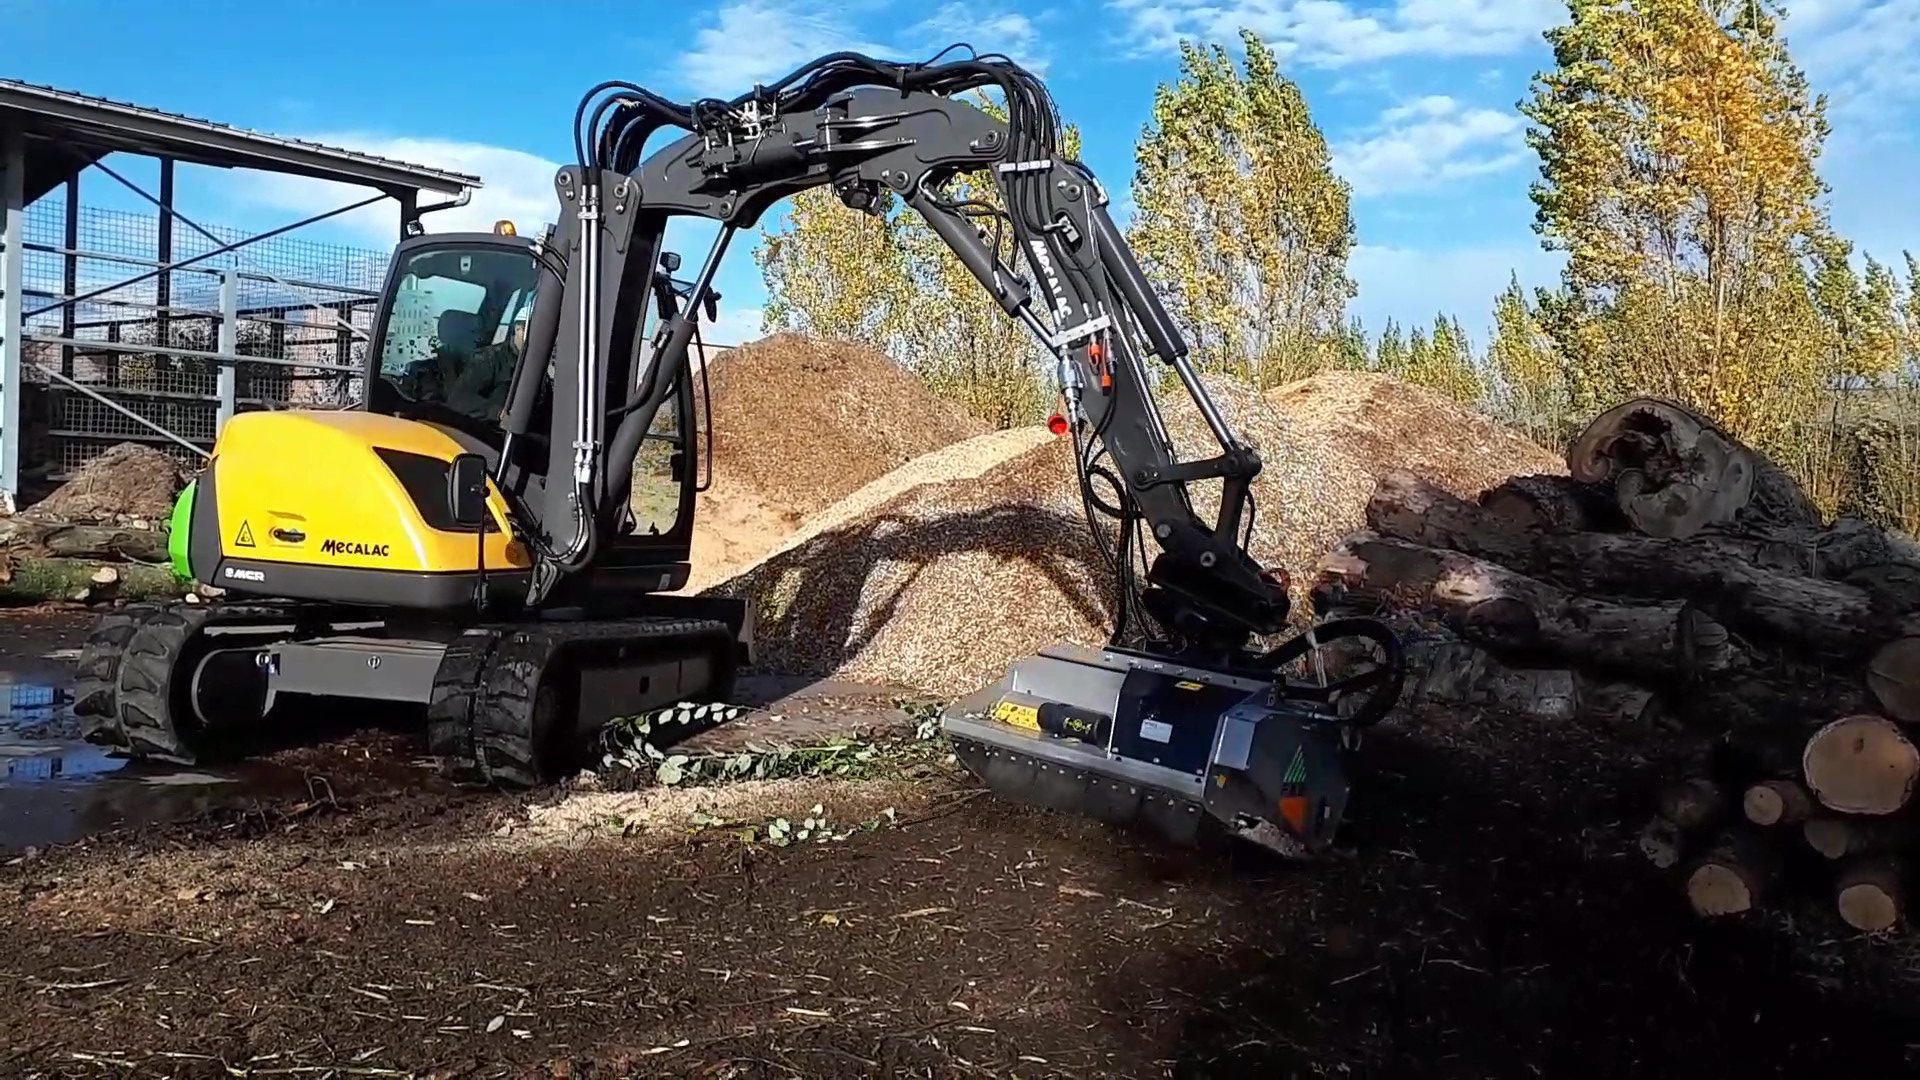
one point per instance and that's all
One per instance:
(1198, 723)
(872, 131)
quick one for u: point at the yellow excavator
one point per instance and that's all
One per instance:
(497, 530)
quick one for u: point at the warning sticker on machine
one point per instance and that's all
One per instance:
(245, 537)
(1158, 730)
(1018, 715)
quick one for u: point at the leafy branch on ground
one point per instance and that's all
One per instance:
(637, 752)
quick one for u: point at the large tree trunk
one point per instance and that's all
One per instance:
(1861, 765)
(1520, 617)
(55, 539)
(1675, 472)
(1444, 670)
(1829, 617)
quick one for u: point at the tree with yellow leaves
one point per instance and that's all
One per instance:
(889, 281)
(1240, 220)
(1678, 145)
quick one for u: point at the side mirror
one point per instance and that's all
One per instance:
(670, 261)
(467, 490)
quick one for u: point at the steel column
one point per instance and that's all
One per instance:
(227, 381)
(70, 269)
(163, 289)
(13, 257)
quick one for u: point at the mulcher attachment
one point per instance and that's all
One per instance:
(1125, 737)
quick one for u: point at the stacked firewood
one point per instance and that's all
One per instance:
(1677, 577)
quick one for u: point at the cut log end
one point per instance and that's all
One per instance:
(1861, 765)
(1833, 838)
(1717, 889)
(1870, 897)
(1776, 802)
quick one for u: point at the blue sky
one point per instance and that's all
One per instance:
(1416, 96)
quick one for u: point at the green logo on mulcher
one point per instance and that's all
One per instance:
(348, 547)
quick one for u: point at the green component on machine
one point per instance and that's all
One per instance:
(177, 532)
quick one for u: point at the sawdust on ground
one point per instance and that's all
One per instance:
(584, 816)
(940, 579)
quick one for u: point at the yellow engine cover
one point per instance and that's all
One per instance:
(310, 487)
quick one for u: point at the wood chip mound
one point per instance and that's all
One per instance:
(939, 576)
(1345, 430)
(804, 423)
(938, 587)
(800, 425)
(126, 483)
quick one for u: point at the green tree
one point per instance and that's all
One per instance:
(1678, 145)
(1530, 384)
(887, 280)
(1390, 352)
(1240, 220)
(1445, 363)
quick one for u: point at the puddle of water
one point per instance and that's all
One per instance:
(57, 761)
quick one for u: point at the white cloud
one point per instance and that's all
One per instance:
(1860, 52)
(755, 41)
(1411, 285)
(1429, 142)
(1334, 33)
(747, 42)
(737, 326)
(518, 186)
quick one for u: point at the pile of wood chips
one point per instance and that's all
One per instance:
(941, 574)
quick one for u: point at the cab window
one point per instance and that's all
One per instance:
(455, 329)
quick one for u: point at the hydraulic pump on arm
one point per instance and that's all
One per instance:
(1182, 711)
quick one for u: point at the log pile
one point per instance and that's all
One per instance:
(1676, 577)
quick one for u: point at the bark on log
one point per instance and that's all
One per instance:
(56, 539)
(1871, 895)
(1837, 837)
(1894, 677)
(1828, 617)
(1692, 804)
(1861, 764)
(1660, 842)
(1731, 878)
(1445, 670)
(1675, 472)
(1519, 617)
(1776, 802)
(1553, 503)
(1853, 544)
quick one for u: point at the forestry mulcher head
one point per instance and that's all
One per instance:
(1128, 737)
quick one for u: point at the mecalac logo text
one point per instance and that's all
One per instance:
(348, 547)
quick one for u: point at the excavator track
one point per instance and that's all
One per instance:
(502, 711)
(135, 668)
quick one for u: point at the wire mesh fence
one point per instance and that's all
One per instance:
(109, 324)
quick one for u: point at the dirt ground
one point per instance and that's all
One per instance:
(1488, 918)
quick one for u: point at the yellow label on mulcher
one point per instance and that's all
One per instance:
(1017, 715)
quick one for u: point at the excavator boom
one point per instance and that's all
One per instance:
(1184, 715)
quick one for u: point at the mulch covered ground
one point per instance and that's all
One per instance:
(1490, 920)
